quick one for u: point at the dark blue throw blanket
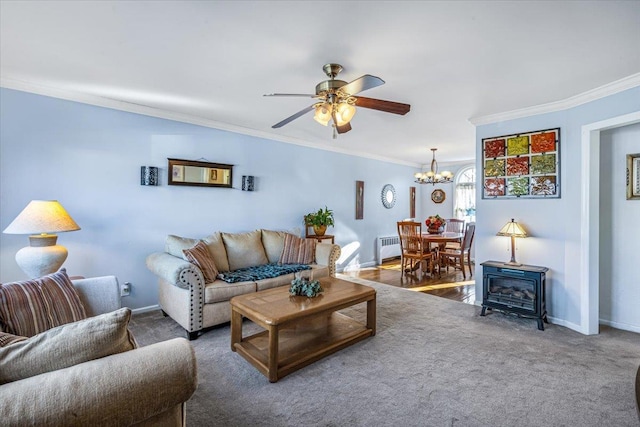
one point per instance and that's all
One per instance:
(260, 272)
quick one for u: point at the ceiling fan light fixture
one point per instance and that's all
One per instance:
(345, 113)
(323, 113)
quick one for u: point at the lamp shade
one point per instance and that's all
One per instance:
(512, 228)
(323, 113)
(42, 216)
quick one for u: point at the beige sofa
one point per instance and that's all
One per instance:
(196, 305)
(146, 386)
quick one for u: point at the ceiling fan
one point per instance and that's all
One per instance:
(337, 100)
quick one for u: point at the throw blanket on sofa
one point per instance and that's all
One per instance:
(260, 272)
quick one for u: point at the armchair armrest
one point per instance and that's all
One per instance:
(140, 383)
(328, 254)
(98, 294)
(173, 270)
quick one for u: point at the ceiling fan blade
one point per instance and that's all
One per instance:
(305, 95)
(381, 105)
(344, 128)
(362, 83)
(295, 116)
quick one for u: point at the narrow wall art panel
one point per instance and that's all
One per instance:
(359, 199)
(523, 165)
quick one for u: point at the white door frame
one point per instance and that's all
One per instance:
(589, 220)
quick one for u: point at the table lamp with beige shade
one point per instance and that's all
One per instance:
(40, 219)
(512, 229)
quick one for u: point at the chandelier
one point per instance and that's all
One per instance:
(433, 177)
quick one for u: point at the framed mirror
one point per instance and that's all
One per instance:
(388, 196)
(199, 174)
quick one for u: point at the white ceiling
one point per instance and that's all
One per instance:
(211, 61)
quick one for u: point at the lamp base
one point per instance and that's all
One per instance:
(42, 257)
(515, 264)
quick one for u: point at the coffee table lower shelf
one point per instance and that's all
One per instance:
(302, 343)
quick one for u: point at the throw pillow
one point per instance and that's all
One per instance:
(33, 306)
(200, 256)
(67, 345)
(297, 250)
(8, 339)
(63, 301)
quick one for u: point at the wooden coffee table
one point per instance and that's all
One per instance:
(299, 330)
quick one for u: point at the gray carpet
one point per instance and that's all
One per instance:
(433, 362)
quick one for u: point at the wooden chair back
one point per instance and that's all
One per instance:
(454, 225)
(467, 241)
(410, 234)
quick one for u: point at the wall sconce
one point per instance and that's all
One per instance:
(148, 175)
(247, 182)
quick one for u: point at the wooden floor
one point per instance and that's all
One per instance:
(449, 285)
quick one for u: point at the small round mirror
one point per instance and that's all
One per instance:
(388, 196)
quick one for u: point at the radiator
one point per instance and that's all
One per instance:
(387, 247)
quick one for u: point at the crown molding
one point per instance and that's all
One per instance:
(588, 96)
(114, 104)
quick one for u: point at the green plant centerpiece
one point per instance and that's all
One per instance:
(320, 220)
(303, 287)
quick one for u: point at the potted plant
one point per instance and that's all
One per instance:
(319, 220)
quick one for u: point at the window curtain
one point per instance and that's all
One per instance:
(465, 205)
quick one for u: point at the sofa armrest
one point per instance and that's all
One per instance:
(99, 294)
(328, 254)
(122, 389)
(174, 270)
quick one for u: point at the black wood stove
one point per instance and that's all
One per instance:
(514, 289)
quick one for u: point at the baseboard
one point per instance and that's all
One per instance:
(355, 267)
(619, 325)
(145, 309)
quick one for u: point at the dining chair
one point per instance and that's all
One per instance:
(455, 257)
(454, 225)
(412, 248)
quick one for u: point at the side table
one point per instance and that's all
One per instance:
(321, 238)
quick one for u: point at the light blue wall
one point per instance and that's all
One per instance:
(554, 224)
(89, 159)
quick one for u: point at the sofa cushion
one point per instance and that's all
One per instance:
(297, 250)
(244, 249)
(218, 251)
(174, 245)
(273, 242)
(223, 291)
(200, 256)
(67, 345)
(33, 306)
(274, 282)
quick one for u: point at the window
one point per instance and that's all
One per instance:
(465, 194)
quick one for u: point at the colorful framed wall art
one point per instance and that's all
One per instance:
(524, 165)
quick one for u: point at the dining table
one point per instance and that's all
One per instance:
(441, 239)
